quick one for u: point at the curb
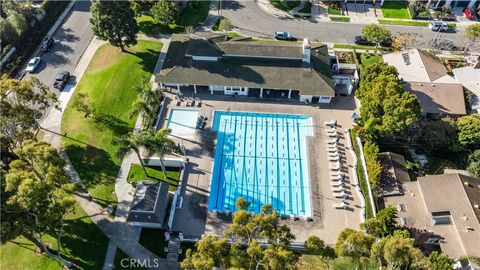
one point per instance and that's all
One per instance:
(61, 18)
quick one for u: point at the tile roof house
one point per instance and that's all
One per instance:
(214, 63)
(426, 77)
(469, 77)
(446, 205)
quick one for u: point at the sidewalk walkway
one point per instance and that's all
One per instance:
(212, 17)
(268, 8)
(319, 12)
(123, 189)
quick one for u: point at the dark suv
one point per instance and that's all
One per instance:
(61, 80)
(47, 44)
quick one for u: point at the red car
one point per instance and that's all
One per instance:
(468, 13)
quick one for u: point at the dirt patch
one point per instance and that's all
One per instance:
(105, 56)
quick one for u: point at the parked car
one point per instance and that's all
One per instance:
(61, 80)
(360, 40)
(283, 35)
(440, 26)
(469, 14)
(47, 44)
(33, 64)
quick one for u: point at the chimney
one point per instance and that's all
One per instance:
(306, 50)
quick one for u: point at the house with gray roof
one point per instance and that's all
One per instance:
(150, 205)
(213, 63)
(447, 206)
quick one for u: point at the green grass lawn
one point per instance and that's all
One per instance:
(90, 142)
(368, 60)
(312, 262)
(285, 5)
(82, 243)
(136, 174)
(339, 18)
(403, 22)
(193, 15)
(396, 10)
(334, 11)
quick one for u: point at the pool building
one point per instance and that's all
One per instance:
(213, 63)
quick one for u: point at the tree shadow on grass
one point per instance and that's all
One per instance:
(94, 166)
(116, 125)
(148, 59)
(84, 243)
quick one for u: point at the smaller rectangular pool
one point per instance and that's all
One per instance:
(183, 122)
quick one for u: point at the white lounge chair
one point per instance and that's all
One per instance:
(338, 178)
(331, 130)
(338, 189)
(332, 149)
(332, 123)
(338, 184)
(341, 205)
(335, 166)
(333, 134)
(333, 153)
(337, 158)
(332, 141)
(342, 195)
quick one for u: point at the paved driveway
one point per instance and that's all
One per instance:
(72, 38)
(251, 20)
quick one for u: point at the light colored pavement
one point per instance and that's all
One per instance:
(252, 20)
(319, 12)
(212, 17)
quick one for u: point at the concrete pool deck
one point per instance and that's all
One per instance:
(194, 220)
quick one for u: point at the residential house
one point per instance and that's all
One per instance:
(425, 76)
(469, 77)
(445, 208)
(394, 174)
(212, 63)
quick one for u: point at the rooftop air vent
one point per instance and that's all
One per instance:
(406, 58)
(476, 206)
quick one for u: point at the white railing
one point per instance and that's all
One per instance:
(355, 176)
(362, 157)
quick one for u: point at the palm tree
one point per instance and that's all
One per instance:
(369, 130)
(147, 103)
(159, 144)
(132, 142)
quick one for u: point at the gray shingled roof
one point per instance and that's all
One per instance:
(314, 79)
(261, 49)
(150, 203)
(394, 173)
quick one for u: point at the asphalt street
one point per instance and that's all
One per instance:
(251, 20)
(71, 40)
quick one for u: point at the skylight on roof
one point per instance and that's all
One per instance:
(406, 58)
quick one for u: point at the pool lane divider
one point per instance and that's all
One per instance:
(301, 167)
(289, 167)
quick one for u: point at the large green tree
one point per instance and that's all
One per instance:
(354, 244)
(382, 98)
(375, 33)
(440, 261)
(383, 224)
(36, 197)
(210, 251)
(474, 163)
(114, 21)
(247, 228)
(398, 252)
(316, 246)
(472, 34)
(469, 131)
(23, 103)
(164, 12)
(147, 104)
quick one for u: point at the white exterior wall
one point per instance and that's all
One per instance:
(304, 98)
(232, 90)
(324, 99)
(204, 58)
(168, 162)
(216, 88)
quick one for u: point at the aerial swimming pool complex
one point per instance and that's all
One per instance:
(263, 158)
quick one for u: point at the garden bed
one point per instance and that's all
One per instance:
(339, 18)
(154, 173)
(284, 5)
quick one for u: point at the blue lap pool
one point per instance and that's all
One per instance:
(263, 158)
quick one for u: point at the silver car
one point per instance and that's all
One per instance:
(33, 64)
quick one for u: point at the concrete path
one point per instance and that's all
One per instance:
(212, 17)
(319, 12)
(123, 189)
(268, 8)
